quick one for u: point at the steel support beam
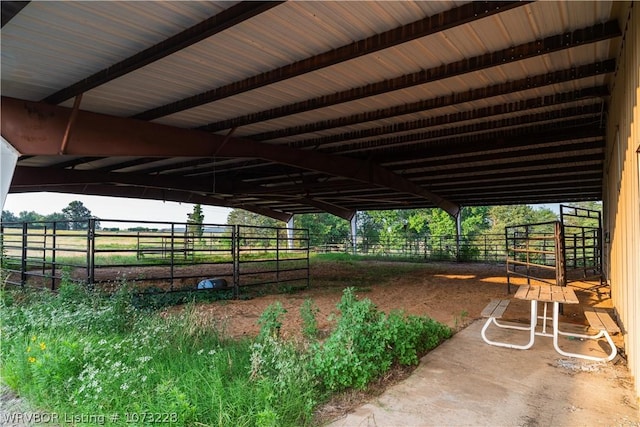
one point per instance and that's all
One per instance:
(36, 129)
(10, 9)
(41, 179)
(156, 194)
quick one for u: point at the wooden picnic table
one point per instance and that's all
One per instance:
(546, 294)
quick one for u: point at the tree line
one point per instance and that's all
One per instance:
(372, 226)
(73, 217)
(411, 224)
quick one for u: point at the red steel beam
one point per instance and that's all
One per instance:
(36, 129)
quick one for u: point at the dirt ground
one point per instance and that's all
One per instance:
(451, 293)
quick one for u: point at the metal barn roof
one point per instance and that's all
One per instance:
(305, 106)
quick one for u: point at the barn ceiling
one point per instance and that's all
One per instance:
(311, 106)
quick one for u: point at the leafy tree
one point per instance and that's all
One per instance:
(504, 216)
(324, 227)
(242, 217)
(475, 220)
(29, 216)
(77, 214)
(60, 219)
(9, 217)
(585, 221)
(368, 230)
(440, 223)
(195, 220)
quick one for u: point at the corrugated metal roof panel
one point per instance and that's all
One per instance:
(54, 44)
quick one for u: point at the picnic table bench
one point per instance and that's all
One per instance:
(599, 319)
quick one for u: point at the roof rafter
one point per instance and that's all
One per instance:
(10, 9)
(538, 81)
(215, 24)
(445, 20)
(462, 116)
(533, 49)
(37, 128)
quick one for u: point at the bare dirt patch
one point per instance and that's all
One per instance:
(451, 293)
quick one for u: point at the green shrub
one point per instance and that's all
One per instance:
(308, 313)
(367, 342)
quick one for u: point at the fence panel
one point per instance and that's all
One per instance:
(153, 256)
(481, 248)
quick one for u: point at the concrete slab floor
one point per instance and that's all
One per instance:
(466, 382)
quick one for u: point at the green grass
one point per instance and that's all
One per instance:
(79, 352)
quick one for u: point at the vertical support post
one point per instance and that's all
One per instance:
(25, 248)
(289, 237)
(354, 232)
(8, 160)
(235, 249)
(458, 234)
(91, 251)
(561, 267)
(44, 250)
(527, 251)
(307, 240)
(290, 226)
(172, 256)
(506, 245)
(53, 256)
(561, 273)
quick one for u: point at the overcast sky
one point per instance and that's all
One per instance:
(112, 207)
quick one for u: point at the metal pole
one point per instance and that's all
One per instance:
(23, 263)
(290, 225)
(91, 249)
(173, 230)
(235, 249)
(354, 232)
(458, 234)
(53, 256)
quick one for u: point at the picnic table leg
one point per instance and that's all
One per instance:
(531, 328)
(602, 333)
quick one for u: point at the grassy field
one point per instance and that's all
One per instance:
(135, 366)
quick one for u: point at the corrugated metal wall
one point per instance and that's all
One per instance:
(622, 189)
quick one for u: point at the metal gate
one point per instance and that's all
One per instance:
(582, 243)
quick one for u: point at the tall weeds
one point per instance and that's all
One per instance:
(79, 352)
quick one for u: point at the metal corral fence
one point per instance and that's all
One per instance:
(583, 241)
(557, 252)
(156, 256)
(535, 251)
(482, 248)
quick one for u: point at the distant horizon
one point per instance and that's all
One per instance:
(132, 211)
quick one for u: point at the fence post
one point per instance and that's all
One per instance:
(561, 279)
(23, 264)
(278, 251)
(172, 257)
(458, 234)
(235, 254)
(53, 255)
(91, 248)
